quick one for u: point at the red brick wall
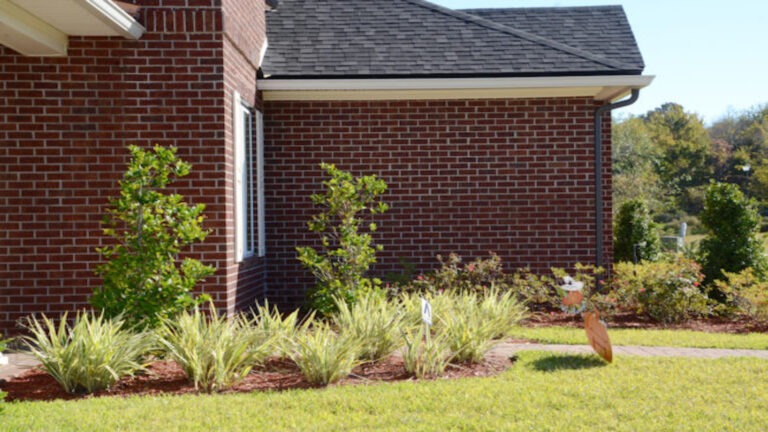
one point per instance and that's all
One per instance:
(64, 126)
(514, 177)
(244, 36)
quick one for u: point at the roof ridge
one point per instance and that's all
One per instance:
(520, 33)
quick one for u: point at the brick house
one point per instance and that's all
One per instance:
(484, 123)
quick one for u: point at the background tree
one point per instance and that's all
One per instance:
(683, 147)
(636, 237)
(731, 244)
(634, 162)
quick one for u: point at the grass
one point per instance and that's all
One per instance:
(541, 392)
(667, 338)
(697, 238)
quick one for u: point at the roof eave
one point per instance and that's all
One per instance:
(601, 88)
(38, 28)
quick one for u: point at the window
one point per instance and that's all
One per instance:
(249, 180)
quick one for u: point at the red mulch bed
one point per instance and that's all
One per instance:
(277, 375)
(164, 377)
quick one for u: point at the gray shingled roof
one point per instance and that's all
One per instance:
(395, 38)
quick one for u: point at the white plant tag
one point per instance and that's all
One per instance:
(426, 312)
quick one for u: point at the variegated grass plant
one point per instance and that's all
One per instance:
(92, 354)
(503, 310)
(324, 356)
(282, 327)
(425, 355)
(374, 321)
(214, 351)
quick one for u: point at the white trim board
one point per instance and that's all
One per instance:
(42, 27)
(602, 88)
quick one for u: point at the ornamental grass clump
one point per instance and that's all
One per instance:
(411, 303)
(324, 356)
(374, 321)
(502, 311)
(282, 327)
(215, 352)
(425, 355)
(467, 330)
(91, 355)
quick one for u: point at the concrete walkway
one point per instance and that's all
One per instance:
(508, 349)
(19, 363)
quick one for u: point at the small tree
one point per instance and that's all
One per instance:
(732, 244)
(341, 264)
(144, 279)
(636, 236)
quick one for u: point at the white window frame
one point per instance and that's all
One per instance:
(248, 180)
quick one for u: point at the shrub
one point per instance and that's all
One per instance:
(746, 292)
(143, 280)
(636, 236)
(732, 244)
(453, 275)
(667, 291)
(324, 356)
(425, 355)
(215, 352)
(374, 321)
(535, 291)
(91, 355)
(346, 254)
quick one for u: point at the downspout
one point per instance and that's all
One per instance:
(599, 170)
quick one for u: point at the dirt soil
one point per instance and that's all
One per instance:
(164, 377)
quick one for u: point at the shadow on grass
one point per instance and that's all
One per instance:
(567, 362)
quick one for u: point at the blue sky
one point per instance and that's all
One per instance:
(710, 56)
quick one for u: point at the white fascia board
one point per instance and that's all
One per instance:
(600, 87)
(29, 35)
(115, 17)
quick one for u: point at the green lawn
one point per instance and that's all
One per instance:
(697, 238)
(542, 391)
(669, 338)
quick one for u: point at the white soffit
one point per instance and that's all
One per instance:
(603, 88)
(41, 27)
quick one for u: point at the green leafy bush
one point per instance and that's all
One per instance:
(636, 237)
(667, 291)
(374, 321)
(454, 275)
(425, 355)
(346, 253)
(537, 292)
(91, 355)
(746, 292)
(143, 281)
(324, 356)
(732, 244)
(215, 352)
